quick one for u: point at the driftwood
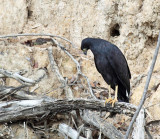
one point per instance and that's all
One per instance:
(17, 93)
(20, 78)
(106, 128)
(139, 130)
(8, 91)
(68, 131)
(30, 109)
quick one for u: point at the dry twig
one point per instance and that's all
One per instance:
(16, 92)
(107, 129)
(55, 36)
(34, 34)
(148, 133)
(65, 129)
(78, 67)
(8, 91)
(55, 69)
(20, 78)
(145, 88)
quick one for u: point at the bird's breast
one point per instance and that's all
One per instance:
(102, 65)
(105, 69)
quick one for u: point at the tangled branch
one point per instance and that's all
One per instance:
(145, 88)
(78, 67)
(58, 44)
(23, 80)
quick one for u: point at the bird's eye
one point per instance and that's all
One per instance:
(85, 51)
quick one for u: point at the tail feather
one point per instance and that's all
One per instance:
(122, 95)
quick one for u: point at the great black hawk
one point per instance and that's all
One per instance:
(112, 65)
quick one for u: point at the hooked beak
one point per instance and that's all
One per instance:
(85, 51)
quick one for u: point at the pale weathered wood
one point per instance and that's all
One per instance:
(30, 109)
(17, 92)
(55, 69)
(139, 130)
(68, 131)
(93, 118)
(23, 80)
(78, 67)
(8, 91)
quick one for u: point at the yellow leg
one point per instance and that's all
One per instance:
(115, 99)
(109, 98)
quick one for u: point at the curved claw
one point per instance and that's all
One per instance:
(113, 102)
(109, 100)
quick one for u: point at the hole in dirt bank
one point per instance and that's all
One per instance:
(151, 42)
(29, 13)
(115, 30)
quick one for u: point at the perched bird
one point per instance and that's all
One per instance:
(112, 65)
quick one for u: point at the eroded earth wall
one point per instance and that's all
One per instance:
(132, 25)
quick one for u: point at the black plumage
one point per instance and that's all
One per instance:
(111, 64)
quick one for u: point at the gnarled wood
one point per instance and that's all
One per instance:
(30, 109)
(106, 128)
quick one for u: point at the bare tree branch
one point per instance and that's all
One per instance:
(78, 67)
(17, 93)
(139, 131)
(107, 129)
(145, 88)
(20, 78)
(34, 34)
(65, 129)
(148, 133)
(55, 69)
(55, 36)
(137, 80)
(30, 109)
(5, 92)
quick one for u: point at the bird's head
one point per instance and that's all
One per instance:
(85, 45)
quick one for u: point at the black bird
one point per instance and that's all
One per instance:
(112, 65)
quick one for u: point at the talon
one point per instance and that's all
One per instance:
(113, 102)
(109, 100)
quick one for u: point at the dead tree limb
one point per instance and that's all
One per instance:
(23, 80)
(139, 130)
(30, 109)
(21, 72)
(55, 69)
(68, 131)
(145, 88)
(148, 133)
(78, 67)
(34, 34)
(17, 93)
(58, 44)
(106, 128)
(19, 78)
(8, 91)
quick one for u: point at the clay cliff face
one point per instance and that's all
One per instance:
(132, 25)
